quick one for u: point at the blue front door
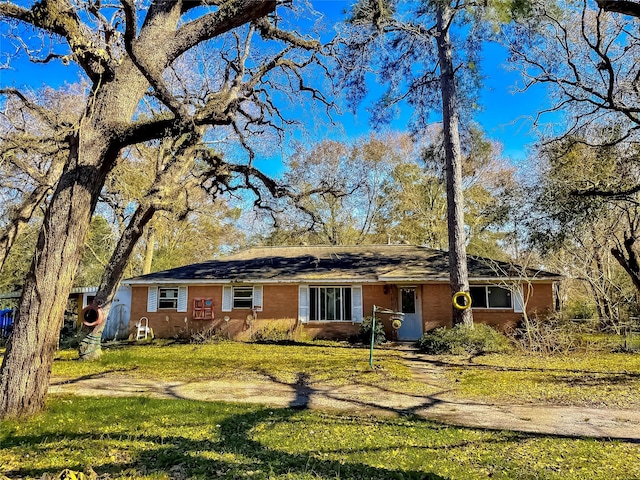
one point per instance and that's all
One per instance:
(410, 305)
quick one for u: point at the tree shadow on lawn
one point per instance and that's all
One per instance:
(469, 363)
(90, 376)
(229, 448)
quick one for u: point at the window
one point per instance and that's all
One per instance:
(168, 298)
(242, 297)
(489, 296)
(330, 303)
(408, 298)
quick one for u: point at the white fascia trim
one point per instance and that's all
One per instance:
(257, 281)
(497, 280)
(484, 280)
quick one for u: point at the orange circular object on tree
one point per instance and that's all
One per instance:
(92, 315)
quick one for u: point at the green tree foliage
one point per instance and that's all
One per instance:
(392, 188)
(201, 235)
(17, 263)
(597, 233)
(97, 250)
(338, 187)
(415, 208)
(427, 54)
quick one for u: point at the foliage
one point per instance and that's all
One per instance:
(590, 236)
(462, 339)
(17, 263)
(97, 250)
(338, 191)
(415, 207)
(364, 332)
(277, 332)
(161, 439)
(548, 335)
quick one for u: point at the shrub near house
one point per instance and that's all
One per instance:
(326, 291)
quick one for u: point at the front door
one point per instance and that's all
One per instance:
(410, 305)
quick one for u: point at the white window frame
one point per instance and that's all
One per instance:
(229, 297)
(176, 298)
(344, 309)
(486, 297)
(242, 299)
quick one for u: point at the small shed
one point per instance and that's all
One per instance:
(117, 325)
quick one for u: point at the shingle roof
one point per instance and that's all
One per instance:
(364, 263)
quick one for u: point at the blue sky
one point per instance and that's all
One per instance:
(505, 115)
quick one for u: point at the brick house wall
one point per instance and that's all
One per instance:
(436, 307)
(280, 307)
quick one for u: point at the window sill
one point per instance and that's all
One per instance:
(493, 309)
(316, 322)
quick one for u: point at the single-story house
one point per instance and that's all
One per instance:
(328, 290)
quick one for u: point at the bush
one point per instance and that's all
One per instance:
(463, 339)
(364, 333)
(208, 335)
(277, 332)
(548, 335)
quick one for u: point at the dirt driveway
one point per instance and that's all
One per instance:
(564, 421)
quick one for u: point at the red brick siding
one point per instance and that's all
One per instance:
(281, 307)
(436, 307)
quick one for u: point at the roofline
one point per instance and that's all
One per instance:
(254, 281)
(381, 279)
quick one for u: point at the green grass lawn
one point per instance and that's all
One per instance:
(588, 379)
(331, 363)
(161, 439)
(148, 438)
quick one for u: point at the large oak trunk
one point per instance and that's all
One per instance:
(26, 367)
(24, 378)
(453, 167)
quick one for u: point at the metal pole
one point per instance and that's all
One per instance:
(373, 333)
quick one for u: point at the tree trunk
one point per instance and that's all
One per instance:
(629, 262)
(24, 377)
(26, 366)
(148, 250)
(91, 348)
(161, 195)
(453, 166)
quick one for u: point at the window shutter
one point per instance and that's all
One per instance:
(518, 300)
(227, 298)
(182, 299)
(356, 304)
(152, 299)
(257, 297)
(303, 303)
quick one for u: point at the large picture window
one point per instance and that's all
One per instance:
(330, 304)
(490, 296)
(168, 298)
